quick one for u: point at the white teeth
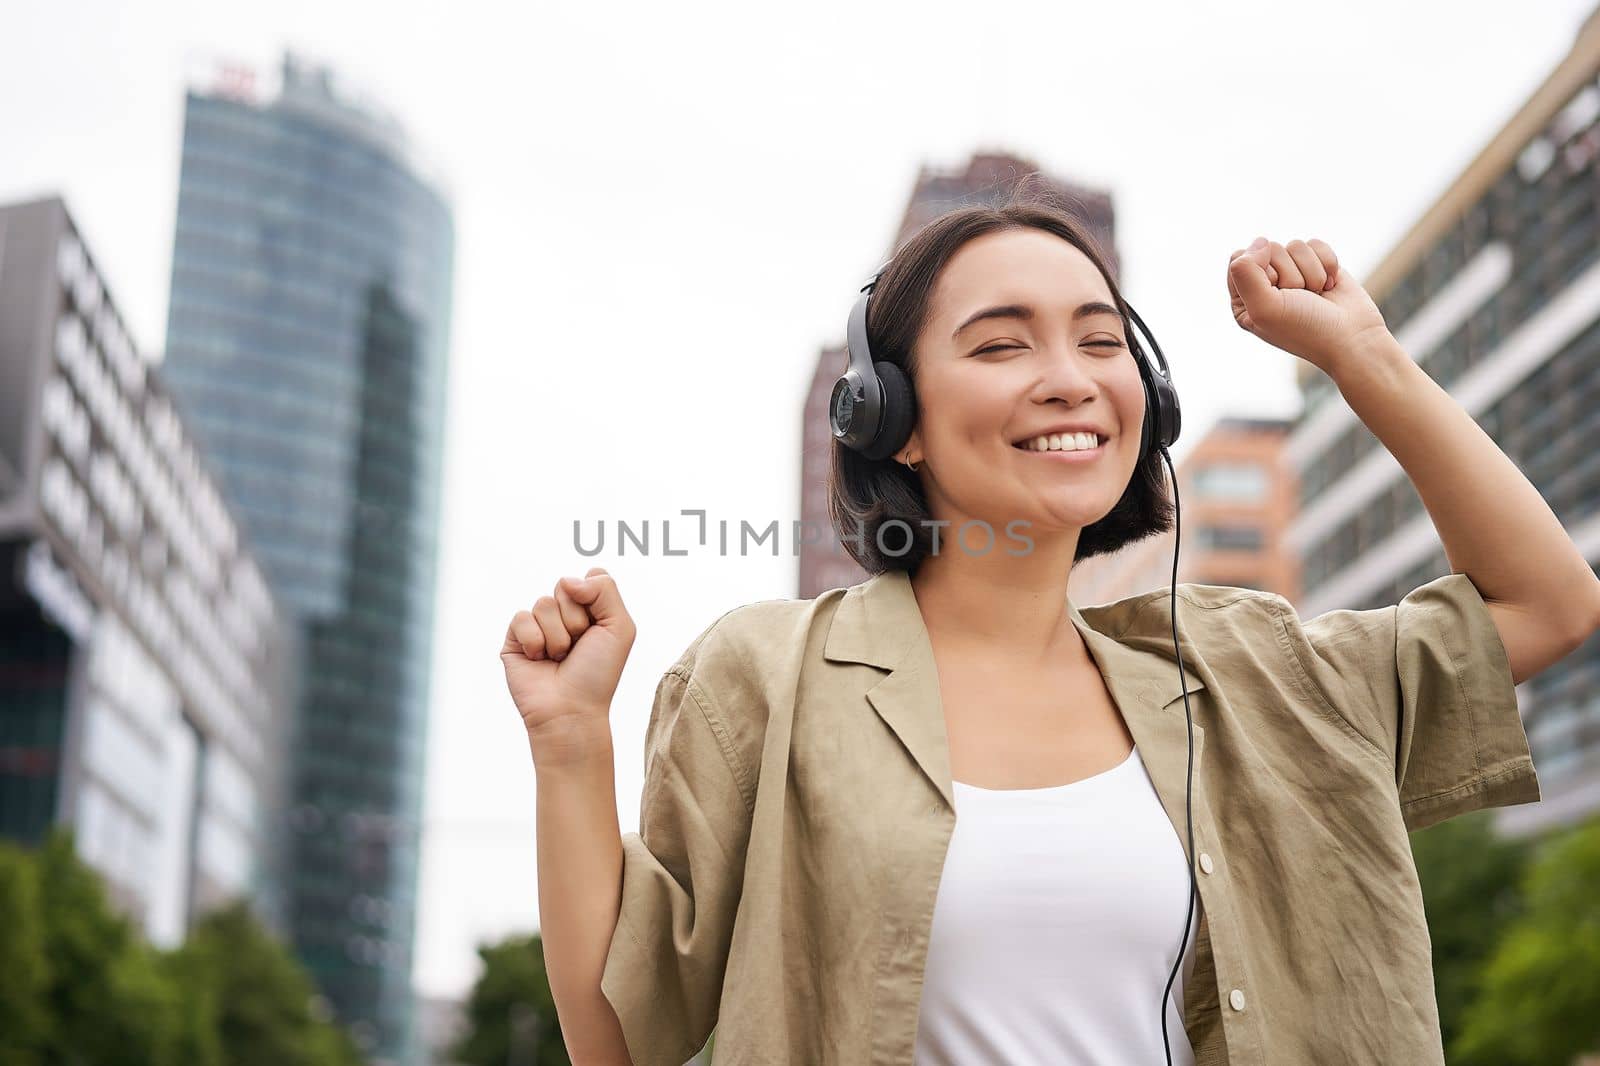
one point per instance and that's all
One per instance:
(1063, 442)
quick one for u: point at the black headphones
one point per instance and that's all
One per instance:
(872, 411)
(873, 407)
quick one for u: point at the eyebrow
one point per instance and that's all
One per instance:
(1024, 312)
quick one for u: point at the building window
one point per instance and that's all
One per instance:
(1229, 538)
(1232, 481)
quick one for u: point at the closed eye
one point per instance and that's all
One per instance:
(1005, 347)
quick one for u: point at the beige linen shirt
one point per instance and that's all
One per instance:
(797, 808)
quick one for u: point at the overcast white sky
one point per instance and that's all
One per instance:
(664, 210)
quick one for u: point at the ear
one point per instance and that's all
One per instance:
(912, 448)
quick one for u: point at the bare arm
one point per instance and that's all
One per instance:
(562, 661)
(1495, 526)
(580, 891)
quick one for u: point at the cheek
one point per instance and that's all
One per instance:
(1129, 383)
(967, 411)
(1131, 400)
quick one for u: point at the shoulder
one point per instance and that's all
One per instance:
(1233, 631)
(749, 656)
(1237, 611)
(748, 634)
(741, 670)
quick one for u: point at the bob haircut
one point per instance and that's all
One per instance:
(865, 496)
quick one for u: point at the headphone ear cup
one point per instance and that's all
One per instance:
(1152, 410)
(1162, 418)
(1171, 420)
(899, 411)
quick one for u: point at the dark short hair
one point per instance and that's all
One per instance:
(866, 495)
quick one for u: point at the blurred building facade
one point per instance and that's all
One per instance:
(145, 668)
(1237, 495)
(307, 341)
(985, 179)
(1495, 292)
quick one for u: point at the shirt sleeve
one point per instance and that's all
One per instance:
(1426, 682)
(681, 879)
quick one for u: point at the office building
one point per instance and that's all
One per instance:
(144, 664)
(1237, 495)
(307, 342)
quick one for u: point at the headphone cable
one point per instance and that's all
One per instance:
(1188, 784)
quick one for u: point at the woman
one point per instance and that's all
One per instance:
(801, 880)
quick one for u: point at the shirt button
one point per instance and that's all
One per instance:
(1206, 864)
(1236, 999)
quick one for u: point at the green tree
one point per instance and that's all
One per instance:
(1539, 1000)
(79, 985)
(510, 1015)
(107, 999)
(24, 968)
(260, 997)
(1471, 889)
(197, 1042)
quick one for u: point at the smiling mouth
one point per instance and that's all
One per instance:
(1028, 446)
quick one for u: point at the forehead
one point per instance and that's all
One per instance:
(1015, 266)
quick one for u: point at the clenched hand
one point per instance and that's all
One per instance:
(564, 657)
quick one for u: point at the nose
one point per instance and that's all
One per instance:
(1064, 375)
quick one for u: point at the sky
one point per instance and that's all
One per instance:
(664, 211)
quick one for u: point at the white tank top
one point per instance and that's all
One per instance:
(1056, 923)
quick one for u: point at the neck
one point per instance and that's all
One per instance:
(1014, 606)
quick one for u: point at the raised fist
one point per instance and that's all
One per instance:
(564, 657)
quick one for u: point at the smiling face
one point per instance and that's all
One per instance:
(1054, 356)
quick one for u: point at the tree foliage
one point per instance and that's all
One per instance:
(510, 1014)
(81, 987)
(24, 1014)
(106, 999)
(260, 998)
(1539, 998)
(1471, 889)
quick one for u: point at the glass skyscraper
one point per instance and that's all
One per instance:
(306, 345)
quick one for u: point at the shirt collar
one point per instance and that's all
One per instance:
(879, 623)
